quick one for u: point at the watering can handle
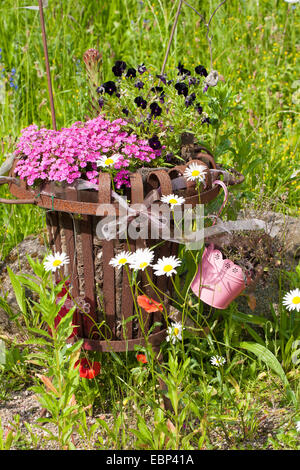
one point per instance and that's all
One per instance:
(221, 183)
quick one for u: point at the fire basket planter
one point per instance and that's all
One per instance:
(101, 292)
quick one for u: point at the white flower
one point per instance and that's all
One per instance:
(122, 258)
(173, 200)
(298, 426)
(217, 361)
(295, 173)
(166, 266)
(212, 78)
(195, 172)
(52, 263)
(174, 332)
(292, 300)
(141, 259)
(106, 161)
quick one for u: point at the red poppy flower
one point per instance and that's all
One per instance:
(142, 358)
(149, 305)
(88, 369)
(65, 308)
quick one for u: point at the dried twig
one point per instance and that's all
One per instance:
(201, 16)
(207, 25)
(209, 39)
(171, 36)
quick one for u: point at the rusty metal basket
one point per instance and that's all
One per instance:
(72, 217)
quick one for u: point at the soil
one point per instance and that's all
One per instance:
(269, 421)
(25, 404)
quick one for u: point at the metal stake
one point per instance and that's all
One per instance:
(47, 64)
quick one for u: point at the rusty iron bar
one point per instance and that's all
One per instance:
(44, 36)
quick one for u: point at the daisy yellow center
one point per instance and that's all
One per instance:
(57, 262)
(195, 173)
(176, 331)
(109, 161)
(296, 300)
(122, 260)
(168, 268)
(144, 264)
(173, 201)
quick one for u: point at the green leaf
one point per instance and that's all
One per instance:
(250, 167)
(248, 318)
(144, 431)
(267, 357)
(254, 335)
(6, 307)
(18, 289)
(36, 341)
(38, 331)
(9, 440)
(117, 358)
(30, 281)
(270, 360)
(36, 266)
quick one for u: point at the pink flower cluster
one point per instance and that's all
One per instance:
(72, 153)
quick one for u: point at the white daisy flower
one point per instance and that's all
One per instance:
(195, 172)
(173, 200)
(54, 262)
(122, 258)
(105, 161)
(292, 300)
(141, 259)
(295, 173)
(217, 361)
(298, 426)
(174, 332)
(166, 266)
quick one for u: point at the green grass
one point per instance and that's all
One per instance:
(254, 48)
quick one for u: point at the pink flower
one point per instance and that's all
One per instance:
(72, 153)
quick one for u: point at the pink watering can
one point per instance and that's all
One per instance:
(218, 281)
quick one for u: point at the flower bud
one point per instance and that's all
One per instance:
(91, 57)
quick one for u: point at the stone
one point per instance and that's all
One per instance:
(33, 246)
(284, 233)
(284, 229)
